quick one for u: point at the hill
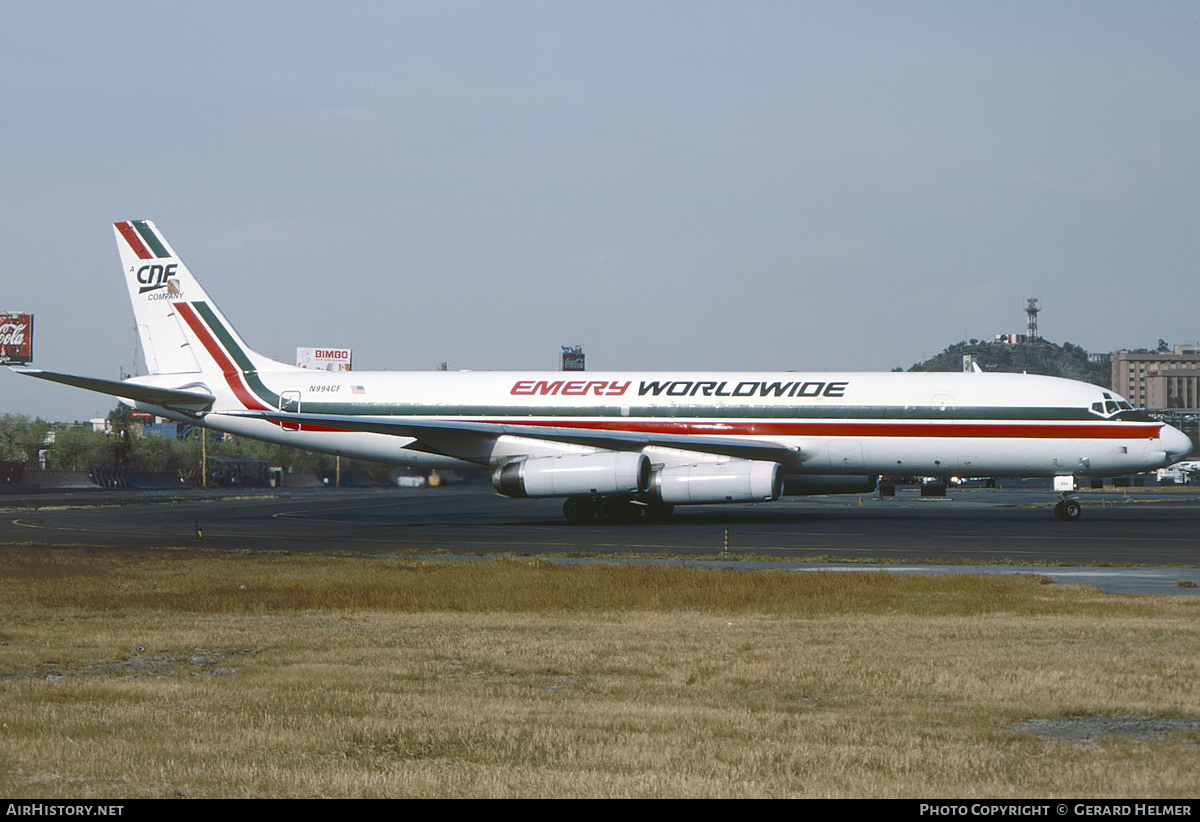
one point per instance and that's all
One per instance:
(1064, 360)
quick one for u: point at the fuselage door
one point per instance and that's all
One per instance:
(289, 402)
(845, 455)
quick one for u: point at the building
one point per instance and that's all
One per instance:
(1158, 380)
(1173, 388)
(1166, 385)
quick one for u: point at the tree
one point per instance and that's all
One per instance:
(21, 438)
(1068, 361)
(79, 448)
(162, 454)
(122, 439)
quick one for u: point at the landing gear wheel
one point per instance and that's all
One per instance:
(659, 512)
(627, 512)
(609, 509)
(1068, 510)
(578, 510)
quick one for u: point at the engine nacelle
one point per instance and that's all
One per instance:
(736, 481)
(798, 485)
(607, 472)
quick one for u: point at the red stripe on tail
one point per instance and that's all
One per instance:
(135, 242)
(228, 369)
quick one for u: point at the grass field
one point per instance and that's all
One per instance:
(194, 674)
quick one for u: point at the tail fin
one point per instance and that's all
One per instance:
(180, 329)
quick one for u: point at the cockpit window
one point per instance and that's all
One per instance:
(1110, 407)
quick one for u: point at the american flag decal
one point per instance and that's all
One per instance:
(357, 389)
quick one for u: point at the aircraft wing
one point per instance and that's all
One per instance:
(461, 438)
(172, 398)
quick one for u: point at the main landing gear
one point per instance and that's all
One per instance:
(580, 510)
(1067, 510)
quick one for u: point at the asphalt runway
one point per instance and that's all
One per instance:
(1151, 526)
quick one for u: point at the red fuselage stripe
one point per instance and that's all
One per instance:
(1021, 430)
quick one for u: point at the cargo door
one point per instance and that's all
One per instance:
(845, 456)
(289, 402)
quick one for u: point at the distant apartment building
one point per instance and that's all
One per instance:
(1173, 389)
(1158, 380)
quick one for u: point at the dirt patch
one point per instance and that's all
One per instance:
(1088, 730)
(141, 664)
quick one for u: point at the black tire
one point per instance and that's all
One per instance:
(660, 512)
(1072, 510)
(1068, 510)
(627, 512)
(616, 510)
(578, 510)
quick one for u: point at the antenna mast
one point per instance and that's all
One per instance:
(1031, 312)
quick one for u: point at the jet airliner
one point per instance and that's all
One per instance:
(622, 445)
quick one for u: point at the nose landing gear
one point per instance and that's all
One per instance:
(1067, 510)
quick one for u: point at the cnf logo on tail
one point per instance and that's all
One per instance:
(154, 277)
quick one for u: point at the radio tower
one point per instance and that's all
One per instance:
(1031, 312)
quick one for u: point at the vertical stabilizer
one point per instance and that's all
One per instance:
(168, 302)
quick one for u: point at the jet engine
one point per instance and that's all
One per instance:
(606, 472)
(735, 481)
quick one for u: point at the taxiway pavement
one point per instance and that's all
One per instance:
(1151, 526)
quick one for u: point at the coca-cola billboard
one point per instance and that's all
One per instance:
(572, 358)
(16, 338)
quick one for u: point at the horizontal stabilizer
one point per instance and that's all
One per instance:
(172, 398)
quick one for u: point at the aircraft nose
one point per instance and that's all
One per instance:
(1175, 443)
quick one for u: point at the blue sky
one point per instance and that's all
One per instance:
(673, 185)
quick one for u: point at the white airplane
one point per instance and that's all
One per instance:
(616, 445)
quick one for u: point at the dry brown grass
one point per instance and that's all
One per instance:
(321, 675)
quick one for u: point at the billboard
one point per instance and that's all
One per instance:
(572, 358)
(324, 359)
(16, 338)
